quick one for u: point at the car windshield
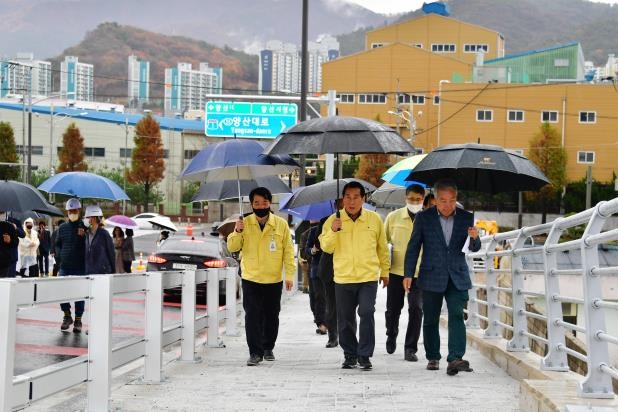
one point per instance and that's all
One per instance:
(190, 247)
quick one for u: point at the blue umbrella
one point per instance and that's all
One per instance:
(314, 211)
(236, 159)
(84, 185)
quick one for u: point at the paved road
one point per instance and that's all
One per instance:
(306, 377)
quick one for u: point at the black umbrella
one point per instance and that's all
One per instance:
(481, 168)
(228, 189)
(320, 192)
(339, 134)
(388, 195)
(22, 197)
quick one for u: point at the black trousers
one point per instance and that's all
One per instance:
(317, 301)
(350, 298)
(262, 304)
(395, 295)
(43, 261)
(330, 308)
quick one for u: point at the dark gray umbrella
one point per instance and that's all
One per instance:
(388, 195)
(228, 189)
(22, 197)
(339, 134)
(320, 192)
(481, 168)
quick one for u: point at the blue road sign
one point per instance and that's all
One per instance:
(249, 120)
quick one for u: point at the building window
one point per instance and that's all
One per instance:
(190, 154)
(483, 115)
(436, 100)
(94, 151)
(34, 150)
(561, 62)
(346, 98)
(416, 98)
(515, 115)
(166, 153)
(587, 117)
(585, 157)
(125, 152)
(549, 116)
(443, 48)
(473, 48)
(372, 98)
(418, 45)
(376, 45)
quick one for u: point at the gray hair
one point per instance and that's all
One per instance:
(445, 184)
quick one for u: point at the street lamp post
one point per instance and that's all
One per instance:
(124, 171)
(440, 107)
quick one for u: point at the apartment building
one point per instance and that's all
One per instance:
(76, 79)
(138, 81)
(186, 88)
(24, 74)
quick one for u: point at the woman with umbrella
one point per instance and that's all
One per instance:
(118, 238)
(128, 251)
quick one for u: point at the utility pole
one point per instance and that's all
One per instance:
(29, 161)
(303, 81)
(124, 171)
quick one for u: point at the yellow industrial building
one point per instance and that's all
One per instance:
(428, 94)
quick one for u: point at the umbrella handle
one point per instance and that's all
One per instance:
(338, 215)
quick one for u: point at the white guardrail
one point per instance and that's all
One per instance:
(96, 367)
(589, 276)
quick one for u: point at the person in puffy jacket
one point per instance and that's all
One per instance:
(100, 258)
(69, 247)
(28, 246)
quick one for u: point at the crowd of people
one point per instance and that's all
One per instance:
(73, 249)
(418, 251)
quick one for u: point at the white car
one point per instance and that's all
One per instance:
(143, 219)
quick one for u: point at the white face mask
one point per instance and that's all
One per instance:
(73, 217)
(414, 208)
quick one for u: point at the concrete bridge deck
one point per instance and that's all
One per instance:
(306, 376)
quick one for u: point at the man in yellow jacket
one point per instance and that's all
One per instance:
(398, 225)
(266, 248)
(356, 238)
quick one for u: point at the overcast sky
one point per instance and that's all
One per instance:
(400, 6)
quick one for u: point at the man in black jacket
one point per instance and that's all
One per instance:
(71, 250)
(8, 247)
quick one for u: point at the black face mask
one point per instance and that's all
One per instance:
(28, 227)
(261, 212)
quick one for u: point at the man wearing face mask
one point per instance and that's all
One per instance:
(71, 249)
(398, 225)
(266, 247)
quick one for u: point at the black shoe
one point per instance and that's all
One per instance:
(364, 363)
(269, 355)
(391, 344)
(66, 322)
(410, 356)
(254, 360)
(349, 362)
(77, 326)
(332, 343)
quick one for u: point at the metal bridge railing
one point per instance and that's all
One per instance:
(598, 381)
(96, 367)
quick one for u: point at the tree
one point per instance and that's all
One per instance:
(71, 156)
(8, 153)
(372, 166)
(548, 154)
(147, 165)
(134, 191)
